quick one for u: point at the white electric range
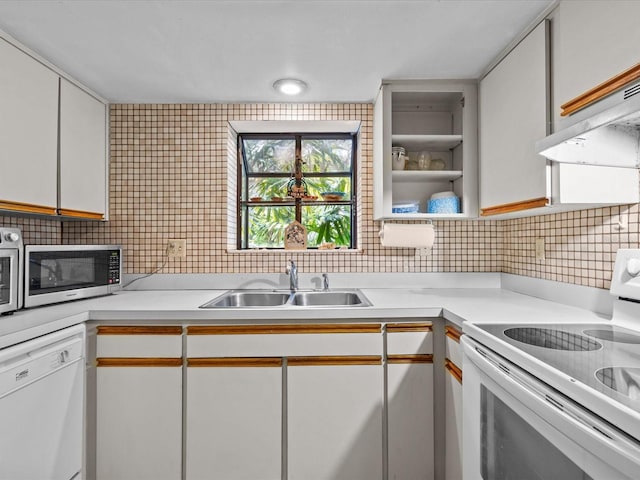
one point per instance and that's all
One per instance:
(556, 401)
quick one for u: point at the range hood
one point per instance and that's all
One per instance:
(607, 134)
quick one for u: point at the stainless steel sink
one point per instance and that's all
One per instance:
(270, 298)
(245, 298)
(341, 298)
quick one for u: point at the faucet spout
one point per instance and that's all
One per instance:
(292, 271)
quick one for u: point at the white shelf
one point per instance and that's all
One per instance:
(425, 216)
(416, 143)
(405, 176)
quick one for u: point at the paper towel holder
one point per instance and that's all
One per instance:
(403, 242)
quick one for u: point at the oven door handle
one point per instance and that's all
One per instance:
(541, 398)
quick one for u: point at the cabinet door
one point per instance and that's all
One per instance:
(139, 421)
(82, 153)
(591, 42)
(138, 403)
(514, 114)
(334, 419)
(28, 133)
(453, 427)
(410, 401)
(234, 419)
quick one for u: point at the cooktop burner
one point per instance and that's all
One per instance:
(614, 334)
(552, 338)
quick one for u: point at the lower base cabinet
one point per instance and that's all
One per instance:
(410, 419)
(139, 422)
(453, 428)
(334, 420)
(234, 419)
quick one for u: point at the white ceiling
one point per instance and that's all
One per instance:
(189, 51)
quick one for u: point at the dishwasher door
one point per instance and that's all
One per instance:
(41, 407)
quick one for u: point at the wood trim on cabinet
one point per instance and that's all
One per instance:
(600, 91)
(453, 333)
(334, 360)
(235, 362)
(138, 330)
(27, 207)
(283, 329)
(409, 327)
(67, 212)
(412, 358)
(453, 369)
(514, 207)
(138, 362)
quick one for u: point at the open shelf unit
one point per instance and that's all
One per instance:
(438, 117)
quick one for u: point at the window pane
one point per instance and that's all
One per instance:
(267, 224)
(270, 155)
(317, 186)
(267, 187)
(327, 223)
(327, 155)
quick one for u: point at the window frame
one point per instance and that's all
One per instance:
(243, 177)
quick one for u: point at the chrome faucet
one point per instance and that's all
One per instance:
(325, 282)
(292, 271)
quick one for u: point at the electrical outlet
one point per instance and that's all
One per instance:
(539, 248)
(423, 252)
(177, 248)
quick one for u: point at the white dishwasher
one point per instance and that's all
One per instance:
(41, 407)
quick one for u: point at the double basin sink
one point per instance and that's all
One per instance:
(282, 298)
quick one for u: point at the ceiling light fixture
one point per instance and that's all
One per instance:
(289, 86)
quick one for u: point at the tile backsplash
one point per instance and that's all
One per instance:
(170, 172)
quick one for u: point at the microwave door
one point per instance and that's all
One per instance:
(8, 281)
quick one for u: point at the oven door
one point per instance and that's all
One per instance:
(518, 427)
(9, 280)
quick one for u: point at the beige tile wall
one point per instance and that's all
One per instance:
(169, 179)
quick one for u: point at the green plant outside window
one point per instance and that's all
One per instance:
(267, 164)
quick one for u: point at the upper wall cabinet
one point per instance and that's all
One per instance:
(514, 114)
(435, 122)
(28, 133)
(82, 153)
(591, 42)
(52, 141)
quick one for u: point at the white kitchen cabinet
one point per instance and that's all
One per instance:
(410, 401)
(453, 404)
(83, 168)
(514, 114)
(139, 403)
(334, 419)
(439, 117)
(28, 133)
(591, 42)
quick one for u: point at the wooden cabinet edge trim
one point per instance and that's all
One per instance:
(27, 207)
(413, 358)
(514, 207)
(138, 330)
(453, 369)
(235, 362)
(138, 362)
(453, 333)
(334, 360)
(283, 329)
(409, 327)
(600, 91)
(80, 214)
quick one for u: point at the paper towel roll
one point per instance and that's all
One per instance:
(407, 235)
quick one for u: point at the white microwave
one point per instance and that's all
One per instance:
(60, 273)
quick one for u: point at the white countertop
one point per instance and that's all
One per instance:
(476, 305)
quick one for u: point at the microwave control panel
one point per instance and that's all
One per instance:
(114, 267)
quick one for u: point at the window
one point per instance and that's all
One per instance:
(309, 178)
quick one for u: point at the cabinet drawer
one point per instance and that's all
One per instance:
(409, 338)
(453, 351)
(139, 342)
(284, 340)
